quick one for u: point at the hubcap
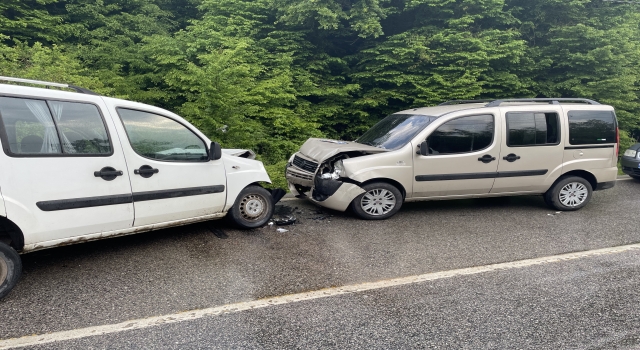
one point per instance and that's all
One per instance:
(378, 202)
(573, 194)
(252, 207)
(4, 270)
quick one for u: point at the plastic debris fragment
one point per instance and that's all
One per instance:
(282, 230)
(285, 220)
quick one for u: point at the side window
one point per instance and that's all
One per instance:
(589, 127)
(157, 137)
(531, 129)
(81, 128)
(28, 126)
(462, 135)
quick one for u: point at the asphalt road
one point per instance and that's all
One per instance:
(591, 302)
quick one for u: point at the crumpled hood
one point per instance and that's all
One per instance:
(242, 153)
(322, 149)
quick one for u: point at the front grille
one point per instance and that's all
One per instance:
(299, 175)
(633, 171)
(305, 164)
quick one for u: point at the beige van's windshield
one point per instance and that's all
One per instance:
(395, 130)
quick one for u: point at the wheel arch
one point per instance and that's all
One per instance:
(10, 232)
(580, 173)
(392, 182)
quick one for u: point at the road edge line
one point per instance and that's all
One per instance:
(79, 333)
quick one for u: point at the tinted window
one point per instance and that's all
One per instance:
(530, 129)
(81, 128)
(29, 126)
(395, 130)
(157, 137)
(466, 134)
(589, 127)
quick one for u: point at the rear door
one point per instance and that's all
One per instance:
(462, 158)
(65, 173)
(531, 151)
(592, 139)
(171, 175)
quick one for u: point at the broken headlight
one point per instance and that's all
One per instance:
(338, 171)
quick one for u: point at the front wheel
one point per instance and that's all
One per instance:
(569, 193)
(380, 201)
(253, 208)
(10, 269)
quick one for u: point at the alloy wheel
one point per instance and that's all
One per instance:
(573, 194)
(378, 202)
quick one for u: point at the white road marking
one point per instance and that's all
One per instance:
(33, 340)
(625, 178)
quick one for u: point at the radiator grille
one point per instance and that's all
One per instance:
(305, 164)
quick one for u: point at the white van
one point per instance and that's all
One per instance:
(562, 148)
(78, 167)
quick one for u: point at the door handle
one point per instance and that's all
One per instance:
(108, 173)
(487, 159)
(511, 157)
(146, 171)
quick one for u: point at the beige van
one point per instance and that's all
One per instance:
(561, 148)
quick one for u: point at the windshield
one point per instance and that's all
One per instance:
(395, 130)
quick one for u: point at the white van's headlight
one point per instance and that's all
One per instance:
(630, 153)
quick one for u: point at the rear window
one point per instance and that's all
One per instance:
(532, 129)
(591, 127)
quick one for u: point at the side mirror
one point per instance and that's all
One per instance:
(215, 151)
(424, 148)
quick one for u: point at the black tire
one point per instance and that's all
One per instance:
(10, 269)
(373, 192)
(562, 197)
(636, 177)
(253, 208)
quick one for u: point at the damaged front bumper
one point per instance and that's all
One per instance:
(329, 193)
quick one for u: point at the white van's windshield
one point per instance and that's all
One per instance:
(395, 130)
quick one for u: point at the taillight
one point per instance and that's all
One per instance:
(617, 141)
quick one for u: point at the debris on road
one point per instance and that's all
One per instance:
(282, 230)
(285, 220)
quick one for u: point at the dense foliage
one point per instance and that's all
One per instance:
(268, 74)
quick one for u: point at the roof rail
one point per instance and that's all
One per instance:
(45, 83)
(553, 101)
(495, 103)
(454, 102)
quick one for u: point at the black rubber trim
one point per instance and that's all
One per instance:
(76, 203)
(88, 202)
(585, 147)
(470, 176)
(174, 193)
(604, 185)
(522, 173)
(467, 176)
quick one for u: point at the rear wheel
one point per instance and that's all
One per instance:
(569, 193)
(253, 207)
(380, 201)
(10, 269)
